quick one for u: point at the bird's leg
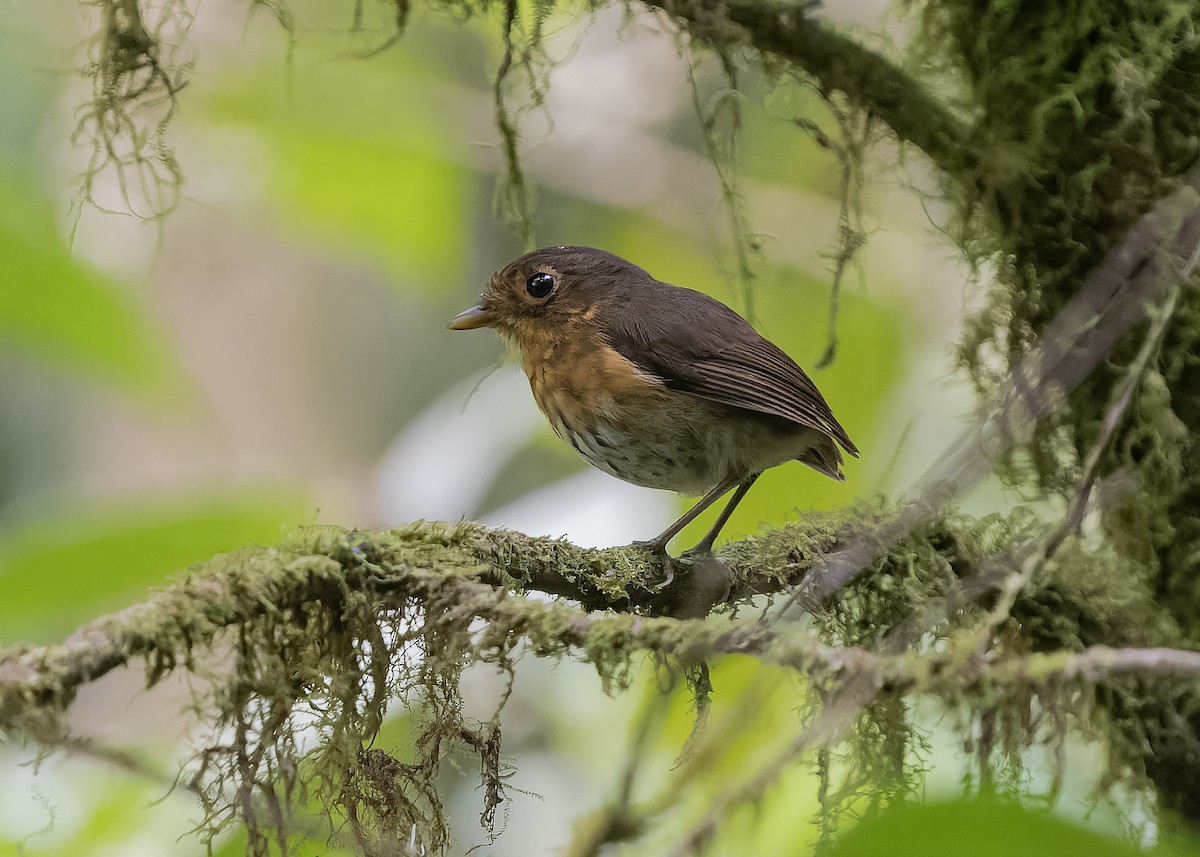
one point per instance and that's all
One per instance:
(659, 544)
(705, 544)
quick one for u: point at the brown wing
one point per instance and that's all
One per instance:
(700, 346)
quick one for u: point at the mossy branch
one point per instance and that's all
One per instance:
(458, 590)
(838, 63)
(482, 571)
(474, 566)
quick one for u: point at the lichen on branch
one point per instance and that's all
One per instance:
(334, 631)
(138, 63)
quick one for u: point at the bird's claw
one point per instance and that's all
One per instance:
(659, 551)
(707, 582)
(700, 553)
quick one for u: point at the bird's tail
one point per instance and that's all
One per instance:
(825, 458)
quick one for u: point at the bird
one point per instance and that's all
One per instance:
(656, 384)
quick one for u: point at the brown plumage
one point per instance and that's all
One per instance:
(658, 385)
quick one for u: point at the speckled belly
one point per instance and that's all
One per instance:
(631, 426)
(654, 451)
(664, 439)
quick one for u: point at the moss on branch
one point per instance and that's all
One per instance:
(471, 566)
(319, 566)
(332, 629)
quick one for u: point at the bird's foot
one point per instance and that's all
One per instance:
(706, 582)
(658, 549)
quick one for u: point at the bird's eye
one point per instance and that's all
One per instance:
(540, 284)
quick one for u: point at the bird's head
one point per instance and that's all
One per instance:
(544, 291)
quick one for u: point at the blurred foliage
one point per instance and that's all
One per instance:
(983, 828)
(383, 189)
(752, 718)
(122, 815)
(65, 313)
(59, 571)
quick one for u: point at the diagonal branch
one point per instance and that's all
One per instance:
(838, 63)
(1135, 276)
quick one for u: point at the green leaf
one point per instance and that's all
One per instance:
(59, 572)
(65, 313)
(974, 829)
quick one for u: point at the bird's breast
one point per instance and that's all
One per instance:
(622, 420)
(588, 382)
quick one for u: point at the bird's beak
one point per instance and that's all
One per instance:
(469, 319)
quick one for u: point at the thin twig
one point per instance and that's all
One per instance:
(834, 721)
(515, 191)
(619, 820)
(127, 761)
(722, 151)
(1160, 319)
